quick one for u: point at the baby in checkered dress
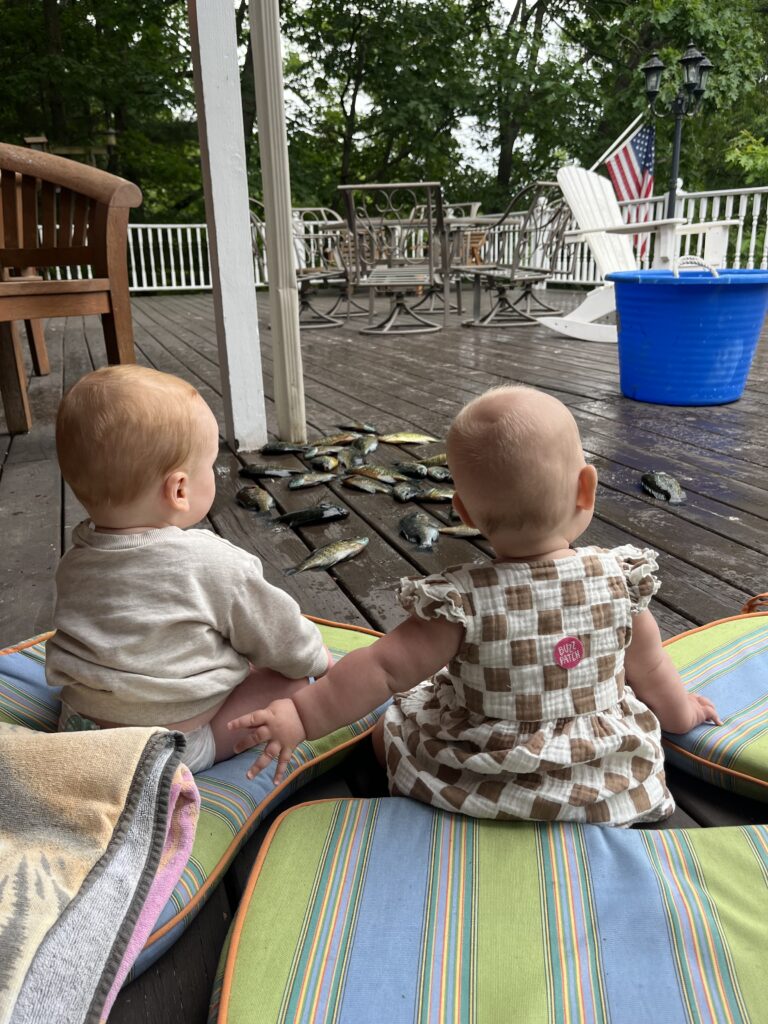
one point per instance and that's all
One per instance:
(534, 686)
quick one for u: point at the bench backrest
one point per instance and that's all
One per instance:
(56, 212)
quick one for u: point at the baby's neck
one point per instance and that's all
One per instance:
(510, 546)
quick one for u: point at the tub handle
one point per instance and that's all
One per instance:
(693, 263)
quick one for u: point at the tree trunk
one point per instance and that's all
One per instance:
(54, 102)
(248, 93)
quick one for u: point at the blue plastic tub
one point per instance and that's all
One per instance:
(688, 340)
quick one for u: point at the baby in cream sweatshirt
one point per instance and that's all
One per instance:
(157, 624)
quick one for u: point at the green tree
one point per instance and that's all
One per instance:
(101, 66)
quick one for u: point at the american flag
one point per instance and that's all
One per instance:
(631, 171)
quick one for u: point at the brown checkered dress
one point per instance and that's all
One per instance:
(532, 718)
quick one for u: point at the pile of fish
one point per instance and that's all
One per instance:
(344, 457)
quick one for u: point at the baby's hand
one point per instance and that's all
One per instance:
(277, 725)
(703, 710)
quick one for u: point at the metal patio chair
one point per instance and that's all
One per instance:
(321, 251)
(513, 255)
(400, 245)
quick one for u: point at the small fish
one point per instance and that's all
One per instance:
(439, 473)
(383, 473)
(413, 469)
(330, 554)
(407, 438)
(255, 498)
(460, 531)
(349, 458)
(358, 427)
(437, 493)
(419, 529)
(453, 514)
(367, 484)
(325, 463)
(322, 513)
(663, 486)
(346, 438)
(310, 480)
(406, 491)
(282, 448)
(441, 459)
(256, 471)
(365, 445)
(313, 450)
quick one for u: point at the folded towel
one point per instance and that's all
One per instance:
(95, 829)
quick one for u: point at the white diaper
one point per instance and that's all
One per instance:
(199, 755)
(201, 749)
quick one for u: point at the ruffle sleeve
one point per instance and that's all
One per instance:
(639, 566)
(432, 597)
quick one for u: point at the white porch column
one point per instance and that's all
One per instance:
(222, 151)
(273, 149)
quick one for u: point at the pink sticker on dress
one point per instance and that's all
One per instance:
(569, 651)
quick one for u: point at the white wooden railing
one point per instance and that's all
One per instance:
(174, 257)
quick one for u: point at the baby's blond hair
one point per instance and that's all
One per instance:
(120, 429)
(515, 453)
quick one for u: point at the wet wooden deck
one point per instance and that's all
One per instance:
(713, 550)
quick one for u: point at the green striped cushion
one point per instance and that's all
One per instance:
(726, 661)
(390, 911)
(231, 805)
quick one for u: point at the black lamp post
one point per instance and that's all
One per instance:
(696, 70)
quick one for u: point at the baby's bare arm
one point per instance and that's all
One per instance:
(657, 682)
(356, 685)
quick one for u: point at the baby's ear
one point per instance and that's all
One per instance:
(587, 487)
(460, 507)
(175, 491)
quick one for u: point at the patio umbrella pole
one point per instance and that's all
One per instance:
(225, 183)
(276, 182)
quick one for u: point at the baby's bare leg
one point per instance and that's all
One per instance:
(377, 740)
(257, 690)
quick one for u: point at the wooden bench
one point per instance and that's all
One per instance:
(58, 213)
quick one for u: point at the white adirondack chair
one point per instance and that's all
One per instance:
(596, 210)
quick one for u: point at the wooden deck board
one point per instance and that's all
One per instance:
(713, 550)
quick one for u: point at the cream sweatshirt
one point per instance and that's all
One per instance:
(160, 626)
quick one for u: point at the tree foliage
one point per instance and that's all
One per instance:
(483, 95)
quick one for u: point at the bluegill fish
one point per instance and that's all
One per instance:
(356, 425)
(436, 493)
(439, 473)
(310, 480)
(441, 459)
(460, 531)
(325, 463)
(330, 554)
(314, 450)
(419, 529)
(367, 484)
(346, 438)
(349, 458)
(255, 498)
(365, 445)
(406, 491)
(258, 470)
(663, 486)
(322, 513)
(282, 448)
(414, 469)
(383, 473)
(407, 437)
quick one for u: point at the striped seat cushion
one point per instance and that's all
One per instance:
(388, 910)
(726, 661)
(231, 805)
